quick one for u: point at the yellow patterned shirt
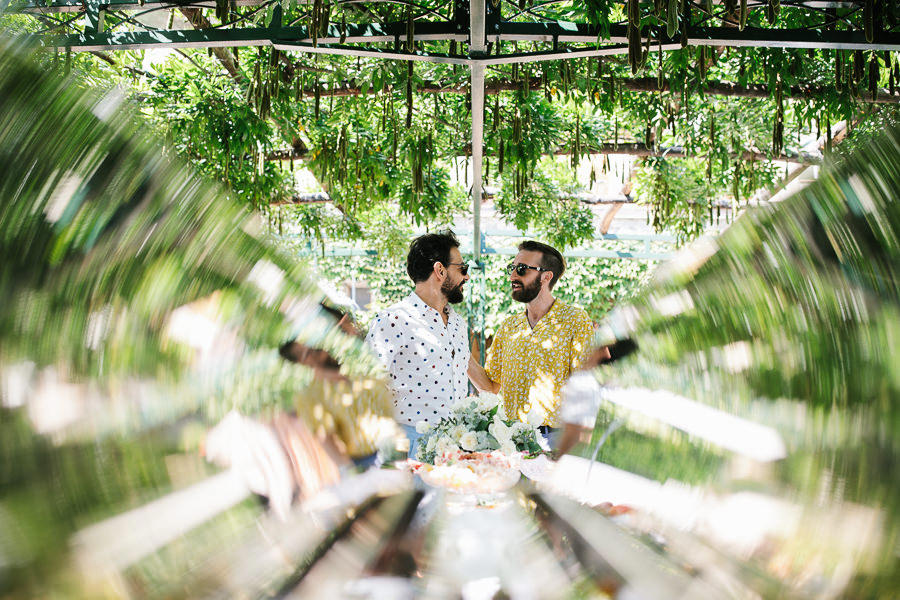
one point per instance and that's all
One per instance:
(532, 365)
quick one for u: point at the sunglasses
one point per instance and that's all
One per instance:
(521, 269)
(463, 267)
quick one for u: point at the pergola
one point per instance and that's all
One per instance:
(488, 32)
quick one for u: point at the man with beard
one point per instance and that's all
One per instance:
(421, 341)
(535, 351)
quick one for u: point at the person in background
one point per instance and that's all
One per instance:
(421, 341)
(351, 415)
(536, 350)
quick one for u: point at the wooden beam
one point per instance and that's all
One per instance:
(637, 84)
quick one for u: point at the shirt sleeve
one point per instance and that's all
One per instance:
(582, 333)
(494, 362)
(380, 342)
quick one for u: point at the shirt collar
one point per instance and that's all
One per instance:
(550, 316)
(423, 309)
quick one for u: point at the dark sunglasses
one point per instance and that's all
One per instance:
(521, 269)
(463, 267)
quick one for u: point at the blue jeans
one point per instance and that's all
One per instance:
(550, 435)
(413, 437)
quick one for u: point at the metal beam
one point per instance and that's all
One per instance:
(339, 40)
(343, 50)
(70, 6)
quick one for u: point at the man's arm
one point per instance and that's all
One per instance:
(480, 378)
(380, 341)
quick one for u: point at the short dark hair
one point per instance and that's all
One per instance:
(428, 249)
(551, 259)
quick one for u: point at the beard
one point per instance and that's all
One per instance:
(527, 293)
(453, 293)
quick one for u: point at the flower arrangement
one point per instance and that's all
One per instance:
(477, 424)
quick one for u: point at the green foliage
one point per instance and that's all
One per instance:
(208, 121)
(544, 206)
(387, 143)
(592, 283)
(679, 193)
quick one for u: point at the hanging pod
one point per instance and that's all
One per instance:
(410, 31)
(409, 94)
(778, 128)
(874, 76)
(838, 70)
(343, 26)
(745, 12)
(889, 63)
(858, 67)
(659, 73)
(634, 35)
(318, 96)
(869, 20)
(672, 17)
(773, 7)
(314, 16)
(496, 115)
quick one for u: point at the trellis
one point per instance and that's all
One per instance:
(490, 30)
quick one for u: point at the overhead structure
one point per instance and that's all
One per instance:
(473, 33)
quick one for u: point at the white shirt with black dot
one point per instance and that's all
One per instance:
(426, 360)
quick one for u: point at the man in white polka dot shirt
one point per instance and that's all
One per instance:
(421, 341)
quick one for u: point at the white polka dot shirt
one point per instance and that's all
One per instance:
(426, 360)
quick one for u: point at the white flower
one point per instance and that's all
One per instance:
(501, 413)
(536, 417)
(501, 432)
(469, 441)
(423, 427)
(457, 432)
(445, 444)
(507, 447)
(487, 401)
(463, 405)
(430, 445)
(519, 427)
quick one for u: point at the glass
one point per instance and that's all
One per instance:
(463, 267)
(521, 269)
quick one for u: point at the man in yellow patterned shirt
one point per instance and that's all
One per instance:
(536, 350)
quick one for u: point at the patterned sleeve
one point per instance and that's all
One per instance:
(494, 363)
(582, 333)
(380, 342)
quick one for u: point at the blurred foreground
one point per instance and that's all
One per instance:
(747, 449)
